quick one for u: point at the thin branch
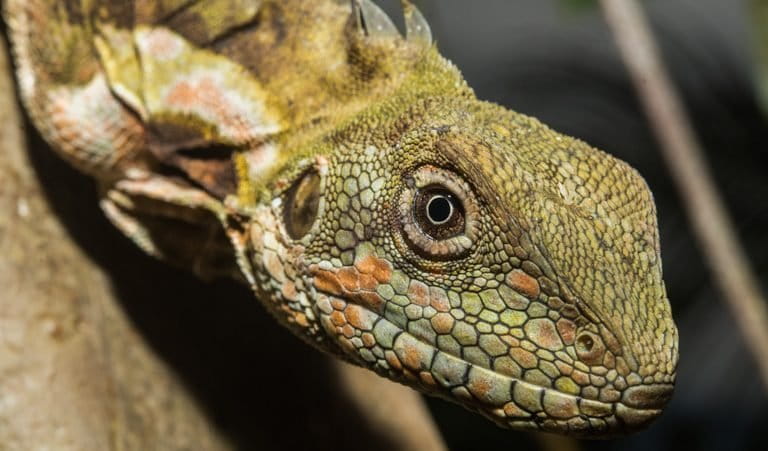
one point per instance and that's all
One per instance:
(759, 15)
(412, 428)
(684, 156)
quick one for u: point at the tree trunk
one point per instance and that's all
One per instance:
(75, 374)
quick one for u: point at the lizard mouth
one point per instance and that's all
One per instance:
(374, 342)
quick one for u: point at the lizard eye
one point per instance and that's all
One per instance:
(438, 214)
(302, 204)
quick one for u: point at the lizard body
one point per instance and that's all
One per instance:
(378, 208)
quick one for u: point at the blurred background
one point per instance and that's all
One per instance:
(553, 59)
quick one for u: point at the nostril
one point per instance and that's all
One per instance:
(584, 343)
(589, 348)
(647, 396)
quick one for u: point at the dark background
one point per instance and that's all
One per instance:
(267, 390)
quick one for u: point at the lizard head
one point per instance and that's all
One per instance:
(477, 255)
(469, 252)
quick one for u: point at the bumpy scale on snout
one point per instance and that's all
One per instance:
(479, 256)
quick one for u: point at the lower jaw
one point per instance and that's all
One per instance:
(374, 342)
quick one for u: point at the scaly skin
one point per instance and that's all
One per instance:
(299, 145)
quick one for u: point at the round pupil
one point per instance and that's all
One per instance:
(439, 209)
(439, 213)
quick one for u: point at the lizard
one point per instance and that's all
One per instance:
(379, 210)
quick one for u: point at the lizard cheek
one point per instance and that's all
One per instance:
(302, 204)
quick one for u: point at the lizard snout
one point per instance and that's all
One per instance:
(642, 404)
(648, 396)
